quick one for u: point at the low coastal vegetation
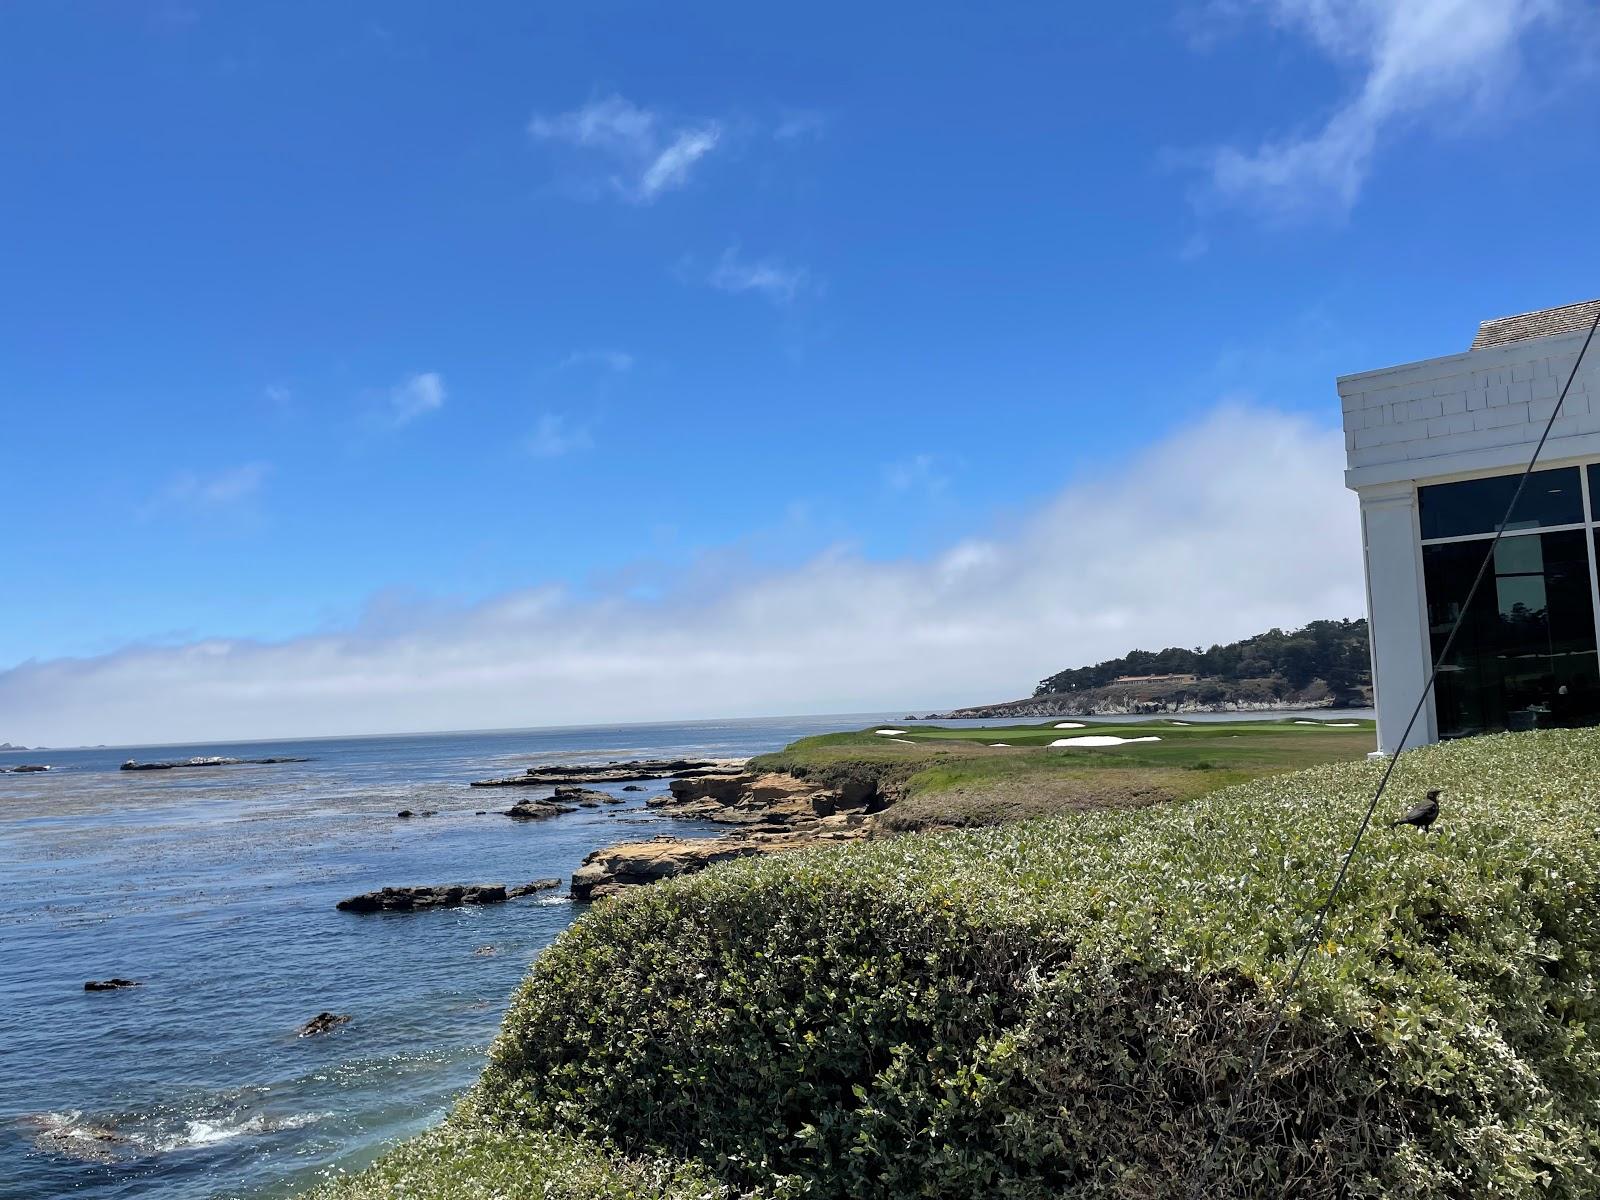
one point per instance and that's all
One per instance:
(1065, 1006)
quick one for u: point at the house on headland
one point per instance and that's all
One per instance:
(1434, 450)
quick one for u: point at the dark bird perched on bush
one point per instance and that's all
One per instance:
(1422, 815)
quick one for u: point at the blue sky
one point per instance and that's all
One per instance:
(328, 328)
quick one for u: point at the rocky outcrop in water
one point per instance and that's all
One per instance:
(25, 769)
(69, 1136)
(109, 985)
(538, 810)
(412, 899)
(774, 813)
(584, 797)
(616, 771)
(179, 764)
(532, 887)
(446, 895)
(322, 1023)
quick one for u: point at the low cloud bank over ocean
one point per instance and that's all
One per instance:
(1234, 524)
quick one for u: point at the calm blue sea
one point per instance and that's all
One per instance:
(216, 888)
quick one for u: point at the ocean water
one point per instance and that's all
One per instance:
(215, 888)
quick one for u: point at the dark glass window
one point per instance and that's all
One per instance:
(1477, 505)
(1594, 492)
(1525, 656)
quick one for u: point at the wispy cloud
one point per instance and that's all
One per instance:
(647, 156)
(618, 362)
(798, 124)
(919, 473)
(1086, 575)
(1416, 60)
(553, 436)
(769, 277)
(421, 394)
(197, 492)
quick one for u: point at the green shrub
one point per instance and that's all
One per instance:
(1064, 1007)
(464, 1161)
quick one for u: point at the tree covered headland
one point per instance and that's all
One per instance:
(1332, 651)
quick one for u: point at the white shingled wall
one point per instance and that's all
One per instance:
(1410, 422)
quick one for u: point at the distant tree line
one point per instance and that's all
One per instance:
(1332, 651)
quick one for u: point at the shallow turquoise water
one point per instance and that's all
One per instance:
(216, 888)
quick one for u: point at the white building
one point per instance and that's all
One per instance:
(1434, 449)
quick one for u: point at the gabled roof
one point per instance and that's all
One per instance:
(1544, 323)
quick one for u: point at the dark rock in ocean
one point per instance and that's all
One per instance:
(633, 787)
(528, 889)
(482, 812)
(410, 899)
(537, 810)
(25, 769)
(405, 814)
(70, 1136)
(322, 1023)
(486, 951)
(618, 771)
(214, 761)
(584, 797)
(109, 985)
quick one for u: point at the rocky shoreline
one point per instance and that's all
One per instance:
(767, 813)
(771, 813)
(179, 764)
(617, 771)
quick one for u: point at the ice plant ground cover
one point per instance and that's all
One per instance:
(1063, 1007)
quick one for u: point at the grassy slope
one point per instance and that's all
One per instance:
(954, 776)
(1063, 1007)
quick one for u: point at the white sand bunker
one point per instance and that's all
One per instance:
(999, 745)
(1071, 725)
(889, 732)
(1180, 722)
(1100, 740)
(1331, 724)
(903, 741)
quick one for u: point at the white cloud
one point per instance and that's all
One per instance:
(196, 492)
(768, 277)
(421, 394)
(647, 158)
(1228, 527)
(1416, 60)
(552, 437)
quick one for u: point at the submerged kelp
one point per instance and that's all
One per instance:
(1064, 1007)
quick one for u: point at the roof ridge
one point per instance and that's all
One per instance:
(1541, 322)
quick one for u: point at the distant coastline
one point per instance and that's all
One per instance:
(1161, 697)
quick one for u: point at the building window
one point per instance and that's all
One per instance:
(1475, 506)
(1525, 655)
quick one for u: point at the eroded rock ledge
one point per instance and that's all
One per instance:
(449, 895)
(773, 814)
(617, 771)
